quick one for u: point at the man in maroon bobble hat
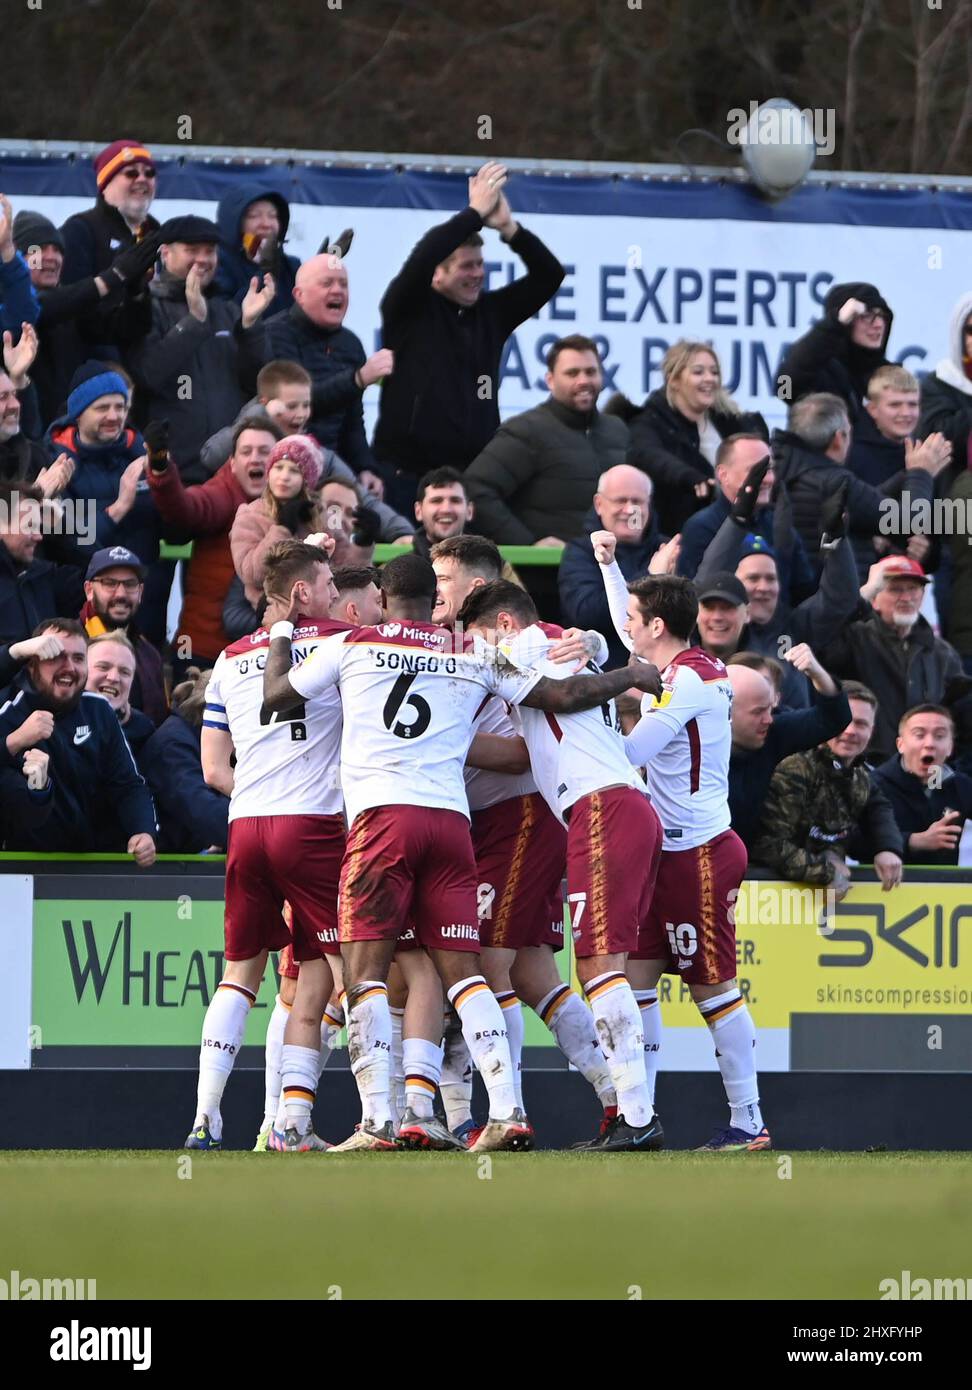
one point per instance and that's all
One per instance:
(126, 178)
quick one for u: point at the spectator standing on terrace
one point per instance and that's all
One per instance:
(253, 218)
(533, 482)
(675, 435)
(93, 317)
(896, 649)
(842, 351)
(114, 586)
(621, 508)
(18, 300)
(95, 798)
(312, 332)
(810, 461)
(946, 393)
(931, 802)
(111, 671)
(440, 407)
(822, 807)
(762, 738)
(198, 363)
(31, 588)
(125, 174)
(204, 514)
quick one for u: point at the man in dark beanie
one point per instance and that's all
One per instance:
(842, 352)
(93, 317)
(213, 345)
(125, 175)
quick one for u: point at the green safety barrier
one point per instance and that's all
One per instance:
(513, 554)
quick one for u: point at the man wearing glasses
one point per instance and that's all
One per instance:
(126, 179)
(842, 351)
(113, 589)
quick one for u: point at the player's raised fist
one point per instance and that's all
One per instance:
(604, 543)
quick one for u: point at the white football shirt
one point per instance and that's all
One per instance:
(409, 704)
(683, 741)
(483, 787)
(287, 764)
(571, 754)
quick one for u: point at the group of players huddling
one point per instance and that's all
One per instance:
(417, 768)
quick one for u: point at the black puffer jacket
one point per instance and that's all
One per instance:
(825, 359)
(332, 356)
(28, 595)
(218, 358)
(93, 239)
(811, 478)
(921, 669)
(538, 473)
(665, 445)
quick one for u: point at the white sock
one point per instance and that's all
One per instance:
(618, 1021)
(651, 1027)
(422, 1061)
(734, 1036)
(456, 1083)
(369, 1046)
(482, 1027)
(572, 1024)
(513, 1018)
(271, 1066)
(222, 1035)
(299, 1067)
(331, 1025)
(397, 1065)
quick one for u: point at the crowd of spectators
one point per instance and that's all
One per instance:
(191, 381)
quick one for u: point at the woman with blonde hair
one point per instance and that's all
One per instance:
(676, 433)
(289, 509)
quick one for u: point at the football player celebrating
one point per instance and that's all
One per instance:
(409, 703)
(683, 741)
(613, 844)
(521, 852)
(286, 842)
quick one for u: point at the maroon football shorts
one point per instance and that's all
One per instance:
(521, 851)
(287, 967)
(409, 865)
(613, 846)
(273, 859)
(691, 923)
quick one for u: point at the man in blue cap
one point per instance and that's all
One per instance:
(197, 365)
(113, 587)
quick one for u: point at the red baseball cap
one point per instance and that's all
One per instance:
(902, 566)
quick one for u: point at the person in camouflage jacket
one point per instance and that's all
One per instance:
(822, 805)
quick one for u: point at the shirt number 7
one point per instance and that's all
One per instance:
(575, 916)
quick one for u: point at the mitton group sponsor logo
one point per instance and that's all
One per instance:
(438, 638)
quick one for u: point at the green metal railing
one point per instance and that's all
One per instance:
(516, 555)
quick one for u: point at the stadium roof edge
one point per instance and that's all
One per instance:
(454, 164)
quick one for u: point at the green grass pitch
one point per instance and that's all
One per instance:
(525, 1226)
